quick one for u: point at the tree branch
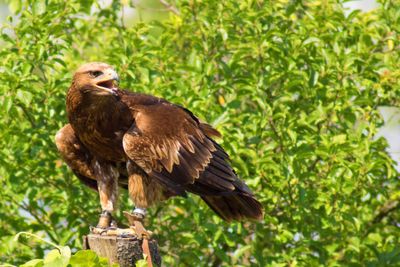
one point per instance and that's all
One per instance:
(386, 209)
(27, 114)
(170, 7)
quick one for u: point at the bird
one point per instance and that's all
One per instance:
(155, 149)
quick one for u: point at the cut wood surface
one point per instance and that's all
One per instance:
(125, 251)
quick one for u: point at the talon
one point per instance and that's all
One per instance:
(113, 224)
(126, 232)
(100, 231)
(105, 220)
(103, 232)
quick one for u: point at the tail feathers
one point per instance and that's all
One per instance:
(235, 206)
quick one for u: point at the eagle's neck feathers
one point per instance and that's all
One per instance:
(81, 104)
(99, 122)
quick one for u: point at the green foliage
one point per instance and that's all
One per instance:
(61, 256)
(293, 86)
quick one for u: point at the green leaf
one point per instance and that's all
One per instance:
(339, 139)
(55, 259)
(87, 258)
(311, 40)
(15, 6)
(33, 263)
(24, 96)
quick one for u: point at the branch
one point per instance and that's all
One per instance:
(170, 7)
(272, 125)
(42, 221)
(387, 208)
(27, 114)
(383, 212)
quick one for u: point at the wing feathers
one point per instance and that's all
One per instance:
(219, 173)
(209, 130)
(190, 171)
(171, 145)
(222, 166)
(203, 152)
(192, 160)
(215, 181)
(235, 207)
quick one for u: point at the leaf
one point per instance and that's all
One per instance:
(223, 33)
(55, 259)
(220, 119)
(24, 96)
(311, 40)
(15, 6)
(38, 7)
(87, 258)
(65, 252)
(313, 78)
(29, 235)
(144, 74)
(339, 139)
(33, 263)
(239, 252)
(142, 263)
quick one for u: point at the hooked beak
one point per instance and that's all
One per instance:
(108, 83)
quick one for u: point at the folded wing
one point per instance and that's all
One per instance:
(172, 146)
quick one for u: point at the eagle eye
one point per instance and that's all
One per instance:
(95, 73)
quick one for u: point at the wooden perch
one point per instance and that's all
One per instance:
(124, 250)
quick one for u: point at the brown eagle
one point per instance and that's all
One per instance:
(148, 145)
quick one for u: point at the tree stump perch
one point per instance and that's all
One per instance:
(124, 250)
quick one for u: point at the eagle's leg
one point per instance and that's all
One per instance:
(143, 193)
(107, 185)
(135, 220)
(99, 175)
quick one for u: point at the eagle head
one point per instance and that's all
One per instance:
(96, 78)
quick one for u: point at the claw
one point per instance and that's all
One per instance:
(108, 226)
(110, 231)
(99, 230)
(105, 220)
(105, 224)
(113, 224)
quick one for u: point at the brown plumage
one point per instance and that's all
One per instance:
(153, 148)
